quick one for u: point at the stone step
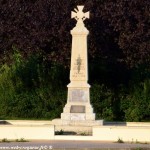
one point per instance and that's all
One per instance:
(80, 123)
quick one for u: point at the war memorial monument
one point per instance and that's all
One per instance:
(78, 109)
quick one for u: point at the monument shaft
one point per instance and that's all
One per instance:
(79, 69)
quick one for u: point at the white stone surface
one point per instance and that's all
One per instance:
(126, 133)
(30, 132)
(77, 116)
(36, 130)
(27, 122)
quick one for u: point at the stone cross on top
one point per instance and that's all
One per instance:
(79, 15)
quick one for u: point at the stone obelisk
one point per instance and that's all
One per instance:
(78, 107)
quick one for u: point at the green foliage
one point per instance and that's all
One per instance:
(61, 132)
(120, 140)
(101, 98)
(36, 89)
(106, 102)
(21, 140)
(84, 133)
(136, 105)
(30, 90)
(5, 140)
(131, 104)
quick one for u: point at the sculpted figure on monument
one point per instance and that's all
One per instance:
(79, 61)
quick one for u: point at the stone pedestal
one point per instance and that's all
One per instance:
(78, 108)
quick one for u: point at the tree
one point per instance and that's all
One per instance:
(118, 29)
(118, 46)
(34, 26)
(130, 19)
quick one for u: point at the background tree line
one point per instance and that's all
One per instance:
(35, 47)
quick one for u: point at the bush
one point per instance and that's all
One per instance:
(136, 105)
(101, 99)
(29, 89)
(33, 88)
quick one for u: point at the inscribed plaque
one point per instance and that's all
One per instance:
(77, 109)
(78, 95)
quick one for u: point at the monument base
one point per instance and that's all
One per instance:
(78, 112)
(78, 107)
